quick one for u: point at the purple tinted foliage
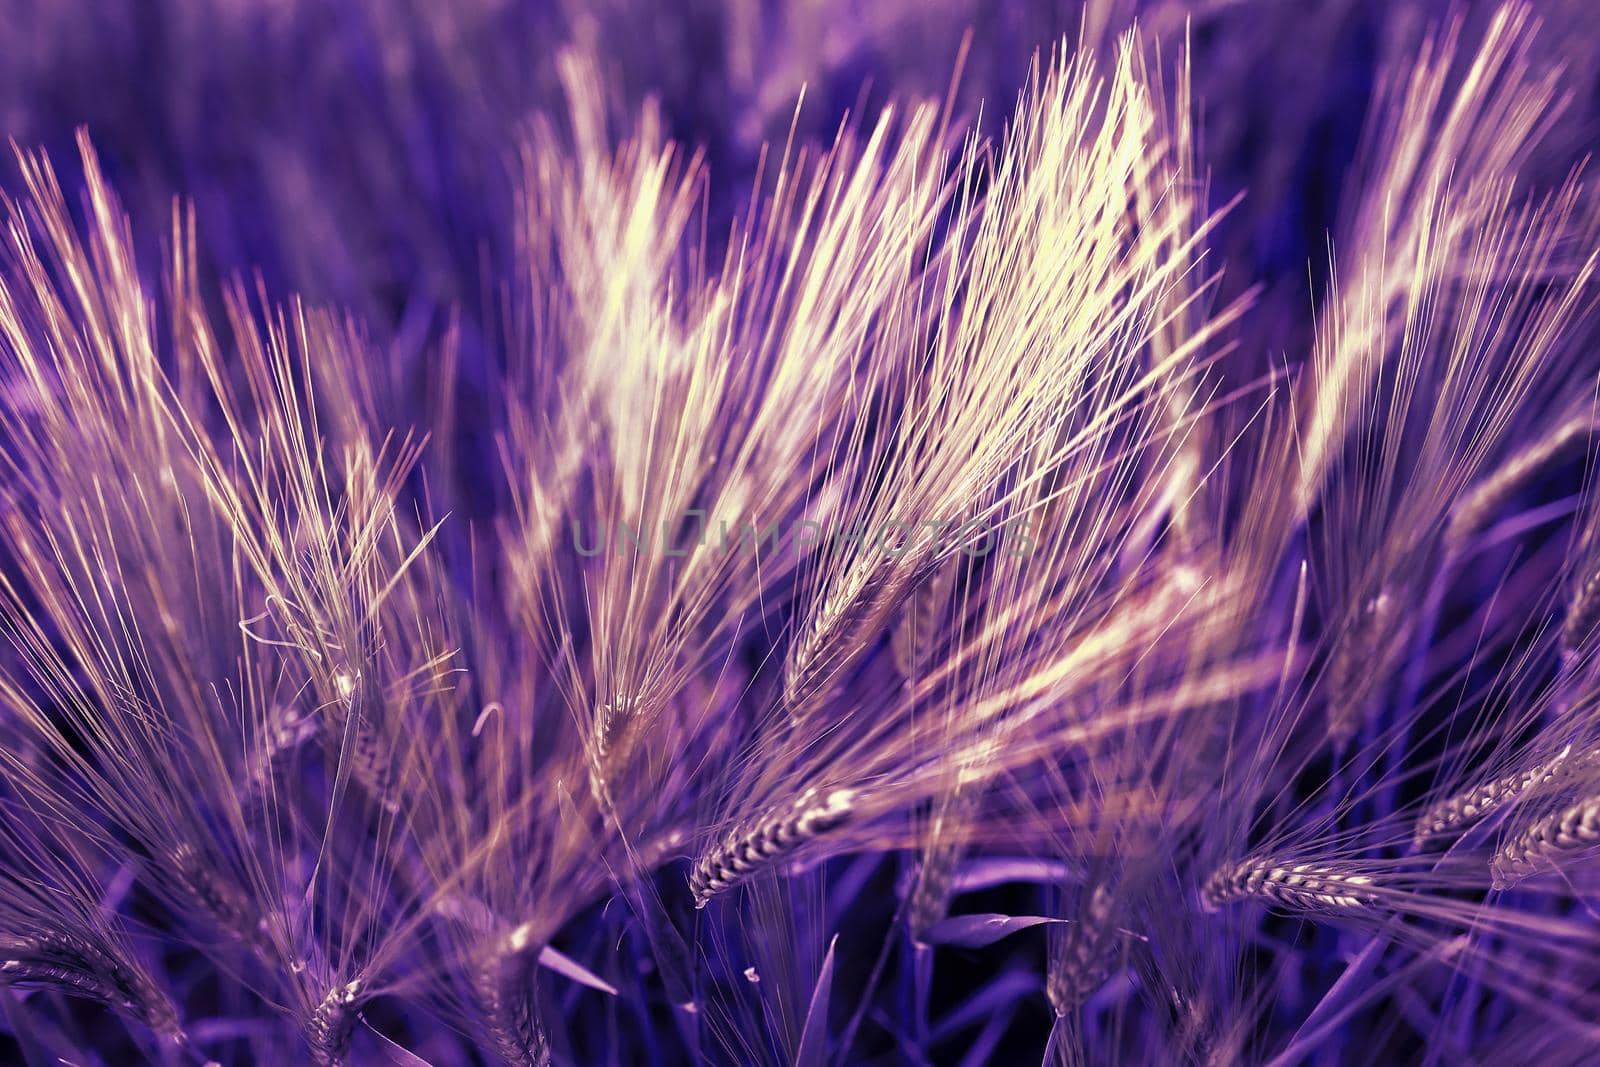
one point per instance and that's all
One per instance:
(330, 334)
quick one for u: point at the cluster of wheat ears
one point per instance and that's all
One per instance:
(324, 740)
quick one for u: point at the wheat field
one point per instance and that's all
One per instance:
(799, 532)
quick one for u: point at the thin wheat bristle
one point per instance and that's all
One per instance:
(1302, 886)
(739, 857)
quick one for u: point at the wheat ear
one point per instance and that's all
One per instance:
(73, 965)
(507, 987)
(935, 885)
(1302, 886)
(331, 1024)
(742, 855)
(1082, 954)
(1461, 812)
(287, 729)
(1486, 498)
(1358, 667)
(1542, 845)
(844, 629)
(367, 756)
(922, 616)
(1583, 616)
(217, 897)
